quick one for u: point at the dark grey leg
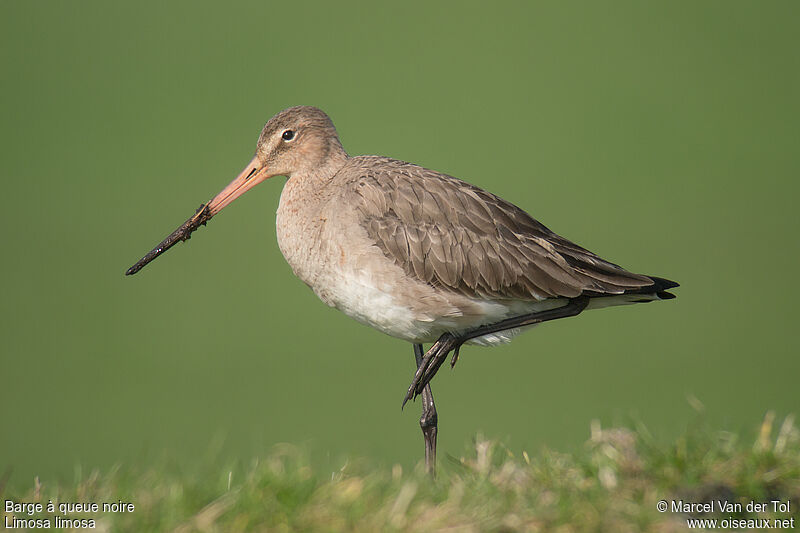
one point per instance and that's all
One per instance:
(429, 419)
(449, 341)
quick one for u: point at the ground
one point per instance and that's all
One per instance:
(619, 481)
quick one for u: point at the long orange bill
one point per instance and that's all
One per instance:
(253, 174)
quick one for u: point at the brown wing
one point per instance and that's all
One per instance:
(449, 233)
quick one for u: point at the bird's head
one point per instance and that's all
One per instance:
(298, 140)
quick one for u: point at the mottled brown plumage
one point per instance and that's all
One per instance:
(457, 236)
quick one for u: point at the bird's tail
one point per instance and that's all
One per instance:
(659, 288)
(650, 293)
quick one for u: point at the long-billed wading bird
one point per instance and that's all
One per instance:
(414, 253)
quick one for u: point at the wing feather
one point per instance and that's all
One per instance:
(451, 234)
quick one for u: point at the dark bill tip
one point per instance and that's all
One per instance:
(183, 233)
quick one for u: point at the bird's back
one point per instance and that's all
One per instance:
(456, 236)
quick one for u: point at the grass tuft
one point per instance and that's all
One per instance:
(613, 484)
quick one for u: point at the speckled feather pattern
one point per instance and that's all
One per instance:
(457, 236)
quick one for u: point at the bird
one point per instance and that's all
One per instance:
(415, 253)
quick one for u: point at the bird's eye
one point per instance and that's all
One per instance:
(287, 135)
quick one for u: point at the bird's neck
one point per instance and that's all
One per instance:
(316, 162)
(307, 190)
(319, 174)
(301, 219)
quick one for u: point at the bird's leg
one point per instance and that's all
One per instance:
(431, 362)
(448, 341)
(454, 359)
(429, 419)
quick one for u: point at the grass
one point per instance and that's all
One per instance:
(612, 484)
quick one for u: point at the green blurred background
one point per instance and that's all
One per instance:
(663, 136)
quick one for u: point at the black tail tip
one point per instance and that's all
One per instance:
(661, 285)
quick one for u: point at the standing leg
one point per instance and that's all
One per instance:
(429, 419)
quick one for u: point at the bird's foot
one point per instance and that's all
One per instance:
(431, 362)
(454, 359)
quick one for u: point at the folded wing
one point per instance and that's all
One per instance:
(451, 234)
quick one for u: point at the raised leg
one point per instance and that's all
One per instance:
(429, 420)
(448, 341)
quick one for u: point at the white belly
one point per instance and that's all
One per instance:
(387, 309)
